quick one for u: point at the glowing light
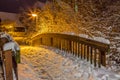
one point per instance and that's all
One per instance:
(10, 26)
(34, 15)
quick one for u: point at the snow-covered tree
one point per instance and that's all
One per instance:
(55, 18)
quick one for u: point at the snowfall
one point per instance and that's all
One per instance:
(47, 63)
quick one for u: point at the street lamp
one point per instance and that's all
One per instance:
(36, 18)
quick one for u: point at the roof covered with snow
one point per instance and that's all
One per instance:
(11, 17)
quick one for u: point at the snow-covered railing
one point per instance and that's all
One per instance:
(88, 49)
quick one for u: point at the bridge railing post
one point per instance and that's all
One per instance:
(103, 58)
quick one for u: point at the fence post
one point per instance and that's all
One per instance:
(7, 65)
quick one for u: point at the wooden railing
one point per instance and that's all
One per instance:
(7, 65)
(88, 49)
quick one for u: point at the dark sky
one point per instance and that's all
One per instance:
(14, 5)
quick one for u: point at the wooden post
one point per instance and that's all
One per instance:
(81, 51)
(84, 51)
(91, 55)
(99, 64)
(103, 58)
(77, 49)
(72, 47)
(95, 55)
(41, 42)
(88, 53)
(51, 41)
(7, 65)
(69, 46)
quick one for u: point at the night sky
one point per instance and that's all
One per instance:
(13, 6)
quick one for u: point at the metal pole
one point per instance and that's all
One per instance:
(36, 18)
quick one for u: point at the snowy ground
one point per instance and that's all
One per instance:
(43, 63)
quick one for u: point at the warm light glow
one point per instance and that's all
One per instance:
(34, 15)
(10, 26)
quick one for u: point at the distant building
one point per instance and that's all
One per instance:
(11, 17)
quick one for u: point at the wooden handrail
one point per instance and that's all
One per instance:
(88, 49)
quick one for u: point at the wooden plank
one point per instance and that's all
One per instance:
(95, 55)
(70, 46)
(84, 51)
(88, 53)
(1, 73)
(99, 63)
(8, 65)
(78, 50)
(81, 50)
(103, 58)
(91, 55)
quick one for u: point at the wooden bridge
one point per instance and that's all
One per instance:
(87, 49)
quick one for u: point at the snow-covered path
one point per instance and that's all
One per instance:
(43, 63)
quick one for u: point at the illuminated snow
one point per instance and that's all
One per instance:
(45, 63)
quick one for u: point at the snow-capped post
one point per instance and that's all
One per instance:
(11, 55)
(14, 55)
(7, 65)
